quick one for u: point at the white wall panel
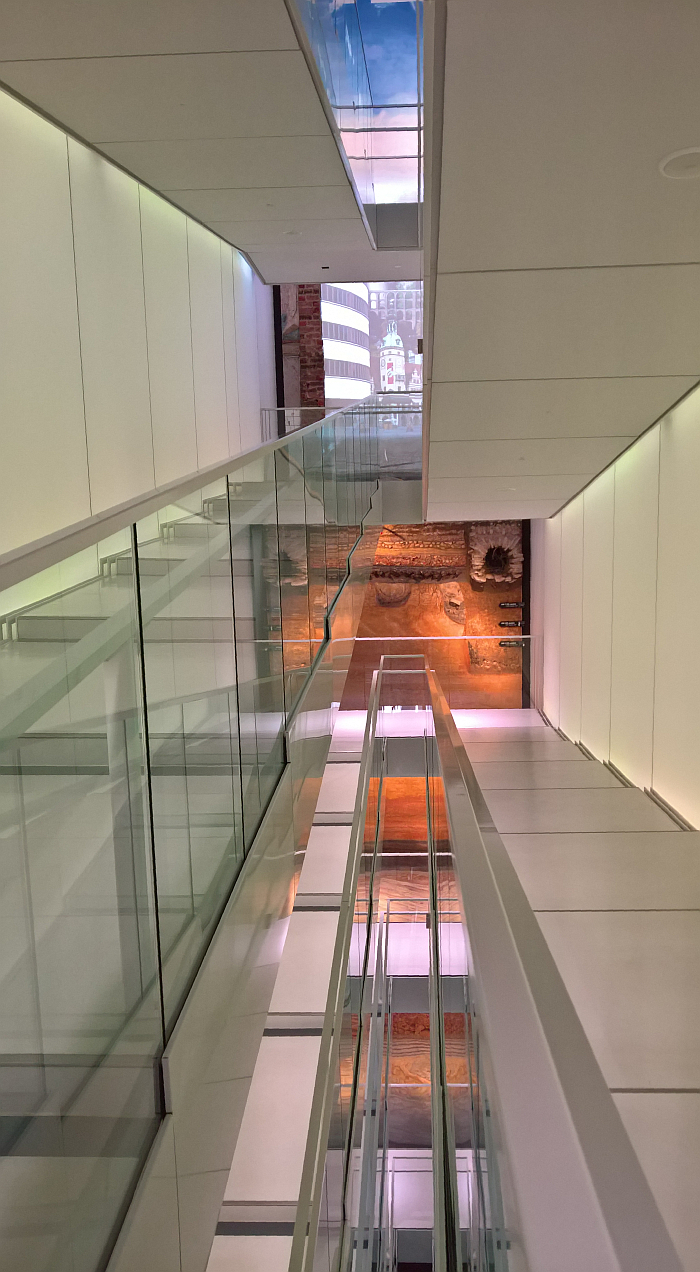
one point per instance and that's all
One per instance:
(571, 619)
(676, 757)
(537, 586)
(552, 618)
(230, 360)
(634, 609)
(246, 351)
(164, 240)
(266, 343)
(207, 345)
(43, 474)
(112, 328)
(596, 639)
(106, 289)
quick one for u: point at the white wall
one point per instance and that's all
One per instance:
(621, 604)
(552, 619)
(135, 345)
(570, 622)
(634, 609)
(596, 611)
(537, 601)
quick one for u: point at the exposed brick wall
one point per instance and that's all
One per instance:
(311, 372)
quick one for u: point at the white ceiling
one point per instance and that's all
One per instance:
(567, 296)
(211, 102)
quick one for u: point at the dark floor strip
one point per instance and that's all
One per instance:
(283, 1032)
(244, 1228)
(654, 1090)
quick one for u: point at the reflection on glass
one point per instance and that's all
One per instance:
(316, 539)
(255, 550)
(142, 714)
(185, 582)
(80, 1011)
(294, 564)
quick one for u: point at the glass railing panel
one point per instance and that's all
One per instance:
(141, 738)
(346, 502)
(399, 424)
(80, 1009)
(252, 498)
(315, 538)
(184, 566)
(294, 566)
(330, 503)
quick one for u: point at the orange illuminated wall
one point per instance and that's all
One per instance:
(448, 589)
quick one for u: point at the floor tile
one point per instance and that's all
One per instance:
(645, 870)
(633, 978)
(665, 1132)
(543, 811)
(269, 1156)
(325, 860)
(529, 733)
(348, 731)
(542, 775)
(305, 968)
(510, 718)
(250, 1254)
(550, 748)
(338, 788)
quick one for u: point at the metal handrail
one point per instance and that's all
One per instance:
(582, 1198)
(579, 1196)
(304, 1238)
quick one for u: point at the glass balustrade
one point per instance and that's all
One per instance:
(146, 684)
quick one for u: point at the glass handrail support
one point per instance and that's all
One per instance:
(150, 665)
(531, 1166)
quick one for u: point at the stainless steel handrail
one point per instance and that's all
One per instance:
(305, 1228)
(582, 1198)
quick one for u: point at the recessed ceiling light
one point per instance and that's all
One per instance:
(682, 165)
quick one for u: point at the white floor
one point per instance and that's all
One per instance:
(616, 887)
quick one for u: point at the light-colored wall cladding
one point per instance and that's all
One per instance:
(137, 346)
(621, 601)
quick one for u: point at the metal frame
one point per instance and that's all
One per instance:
(310, 1190)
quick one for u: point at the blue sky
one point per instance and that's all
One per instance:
(389, 35)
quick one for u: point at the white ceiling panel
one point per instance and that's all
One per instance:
(539, 324)
(334, 235)
(525, 456)
(298, 203)
(560, 113)
(567, 296)
(491, 509)
(478, 489)
(33, 29)
(243, 162)
(210, 101)
(502, 409)
(177, 97)
(305, 264)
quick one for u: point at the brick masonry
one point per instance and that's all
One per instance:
(311, 370)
